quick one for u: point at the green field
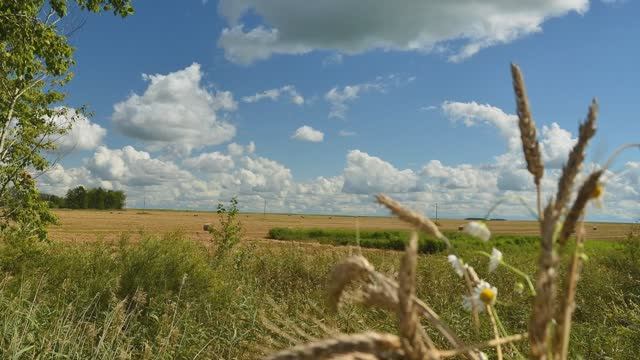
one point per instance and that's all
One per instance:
(167, 297)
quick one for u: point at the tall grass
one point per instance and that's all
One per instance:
(160, 298)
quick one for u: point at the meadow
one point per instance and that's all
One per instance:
(146, 285)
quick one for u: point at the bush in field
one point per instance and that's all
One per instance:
(229, 231)
(165, 266)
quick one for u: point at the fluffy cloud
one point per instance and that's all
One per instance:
(555, 142)
(472, 114)
(459, 177)
(82, 134)
(307, 133)
(458, 29)
(57, 180)
(210, 162)
(237, 150)
(264, 176)
(176, 111)
(131, 167)
(366, 174)
(274, 94)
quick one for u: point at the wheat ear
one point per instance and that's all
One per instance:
(576, 158)
(585, 193)
(530, 145)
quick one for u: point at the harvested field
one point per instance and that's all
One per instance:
(92, 225)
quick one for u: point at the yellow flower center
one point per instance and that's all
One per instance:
(487, 296)
(597, 191)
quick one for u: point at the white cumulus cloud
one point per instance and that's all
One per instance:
(307, 133)
(133, 167)
(177, 111)
(82, 134)
(210, 162)
(366, 174)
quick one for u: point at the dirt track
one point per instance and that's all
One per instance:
(89, 225)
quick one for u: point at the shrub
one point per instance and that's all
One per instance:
(229, 231)
(167, 265)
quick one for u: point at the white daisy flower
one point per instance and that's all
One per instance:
(496, 258)
(483, 294)
(458, 266)
(478, 229)
(483, 356)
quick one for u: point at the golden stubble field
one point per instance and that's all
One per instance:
(93, 225)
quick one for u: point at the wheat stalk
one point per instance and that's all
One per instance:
(563, 329)
(413, 336)
(576, 158)
(543, 303)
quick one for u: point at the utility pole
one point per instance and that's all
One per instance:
(436, 211)
(264, 212)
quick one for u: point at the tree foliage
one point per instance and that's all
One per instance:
(97, 198)
(35, 64)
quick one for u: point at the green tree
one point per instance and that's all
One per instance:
(97, 197)
(114, 199)
(77, 198)
(35, 64)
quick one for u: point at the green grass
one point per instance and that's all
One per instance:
(392, 239)
(161, 298)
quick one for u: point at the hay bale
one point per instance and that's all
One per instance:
(207, 227)
(461, 227)
(595, 228)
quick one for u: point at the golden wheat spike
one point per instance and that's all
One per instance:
(576, 158)
(527, 126)
(585, 193)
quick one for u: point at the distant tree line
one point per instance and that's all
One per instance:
(81, 198)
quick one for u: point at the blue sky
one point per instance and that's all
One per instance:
(423, 92)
